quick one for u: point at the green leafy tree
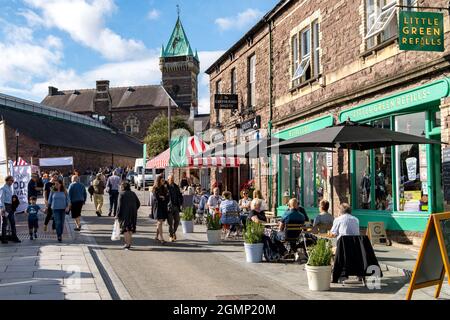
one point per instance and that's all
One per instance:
(157, 139)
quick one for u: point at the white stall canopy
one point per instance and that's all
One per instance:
(56, 162)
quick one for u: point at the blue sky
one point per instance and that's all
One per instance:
(72, 43)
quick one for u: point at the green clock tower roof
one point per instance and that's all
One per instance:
(178, 45)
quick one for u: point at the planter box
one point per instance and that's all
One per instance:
(188, 226)
(319, 278)
(214, 236)
(254, 252)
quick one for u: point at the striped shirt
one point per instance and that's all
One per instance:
(345, 225)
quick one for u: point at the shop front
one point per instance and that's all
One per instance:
(305, 176)
(400, 186)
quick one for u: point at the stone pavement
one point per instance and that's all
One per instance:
(44, 269)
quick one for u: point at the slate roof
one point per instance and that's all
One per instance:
(83, 100)
(62, 133)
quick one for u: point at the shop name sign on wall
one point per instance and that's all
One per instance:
(421, 31)
(226, 101)
(428, 93)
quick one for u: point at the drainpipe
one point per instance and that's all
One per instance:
(269, 135)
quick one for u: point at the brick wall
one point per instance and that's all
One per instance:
(83, 160)
(349, 74)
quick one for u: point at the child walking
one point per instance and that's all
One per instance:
(33, 220)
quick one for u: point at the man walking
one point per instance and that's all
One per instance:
(112, 187)
(77, 199)
(33, 187)
(99, 191)
(6, 210)
(176, 201)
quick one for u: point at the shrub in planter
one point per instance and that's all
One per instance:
(253, 243)
(187, 220)
(214, 228)
(318, 267)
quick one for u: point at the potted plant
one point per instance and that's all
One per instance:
(214, 228)
(253, 241)
(318, 267)
(187, 220)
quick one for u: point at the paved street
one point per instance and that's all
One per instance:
(88, 265)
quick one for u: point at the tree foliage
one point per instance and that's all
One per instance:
(157, 139)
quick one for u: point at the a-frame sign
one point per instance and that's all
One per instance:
(433, 261)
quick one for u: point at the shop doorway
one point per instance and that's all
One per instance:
(436, 170)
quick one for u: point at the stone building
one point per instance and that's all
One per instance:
(45, 132)
(132, 109)
(310, 64)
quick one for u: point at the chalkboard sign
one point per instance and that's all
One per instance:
(433, 262)
(446, 173)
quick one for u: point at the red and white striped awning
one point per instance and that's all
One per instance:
(20, 163)
(194, 150)
(161, 161)
(207, 162)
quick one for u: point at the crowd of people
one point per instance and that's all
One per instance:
(166, 201)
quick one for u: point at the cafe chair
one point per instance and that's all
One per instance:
(293, 241)
(234, 219)
(354, 256)
(321, 228)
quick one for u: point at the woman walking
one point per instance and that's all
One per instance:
(160, 209)
(58, 201)
(77, 199)
(127, 211)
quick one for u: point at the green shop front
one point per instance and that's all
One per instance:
(305, 176)
(400, 186)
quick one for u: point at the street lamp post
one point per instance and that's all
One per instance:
(17, 146)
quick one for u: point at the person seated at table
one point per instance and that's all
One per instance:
(244, 203)
(229, 210)
(345, 224)
(214, 201)
(292, 216)
(257, 194)
(256, 213)
(324, 218)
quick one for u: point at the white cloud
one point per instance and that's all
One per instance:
(154, 14)
(240, 21)
(84, 21)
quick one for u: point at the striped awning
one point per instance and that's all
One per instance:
(161, 161)
(208, 162)
(20, 163)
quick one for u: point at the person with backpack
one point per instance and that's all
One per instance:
(99, 190)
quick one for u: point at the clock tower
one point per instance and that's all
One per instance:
(180, 68)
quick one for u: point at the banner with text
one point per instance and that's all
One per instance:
(22, 176)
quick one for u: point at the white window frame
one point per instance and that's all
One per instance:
(309, 54)
(252, 80)
(383, 20)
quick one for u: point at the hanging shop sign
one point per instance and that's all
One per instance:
(433, 263)
(226, 101)
(251, 124)
(421, 31)
(429, 93)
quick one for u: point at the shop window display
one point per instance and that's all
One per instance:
(297, 176)
(363, 179)
(412, 166)
(309, 180)
(383, 173)
(321, 177)
(285, 174)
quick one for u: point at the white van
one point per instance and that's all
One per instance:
(149, 179)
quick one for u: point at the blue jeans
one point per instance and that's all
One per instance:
(59, 215)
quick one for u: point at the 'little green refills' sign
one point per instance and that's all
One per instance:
(421, 31)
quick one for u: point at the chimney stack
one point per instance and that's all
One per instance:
(102, 85)
(52, 91)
